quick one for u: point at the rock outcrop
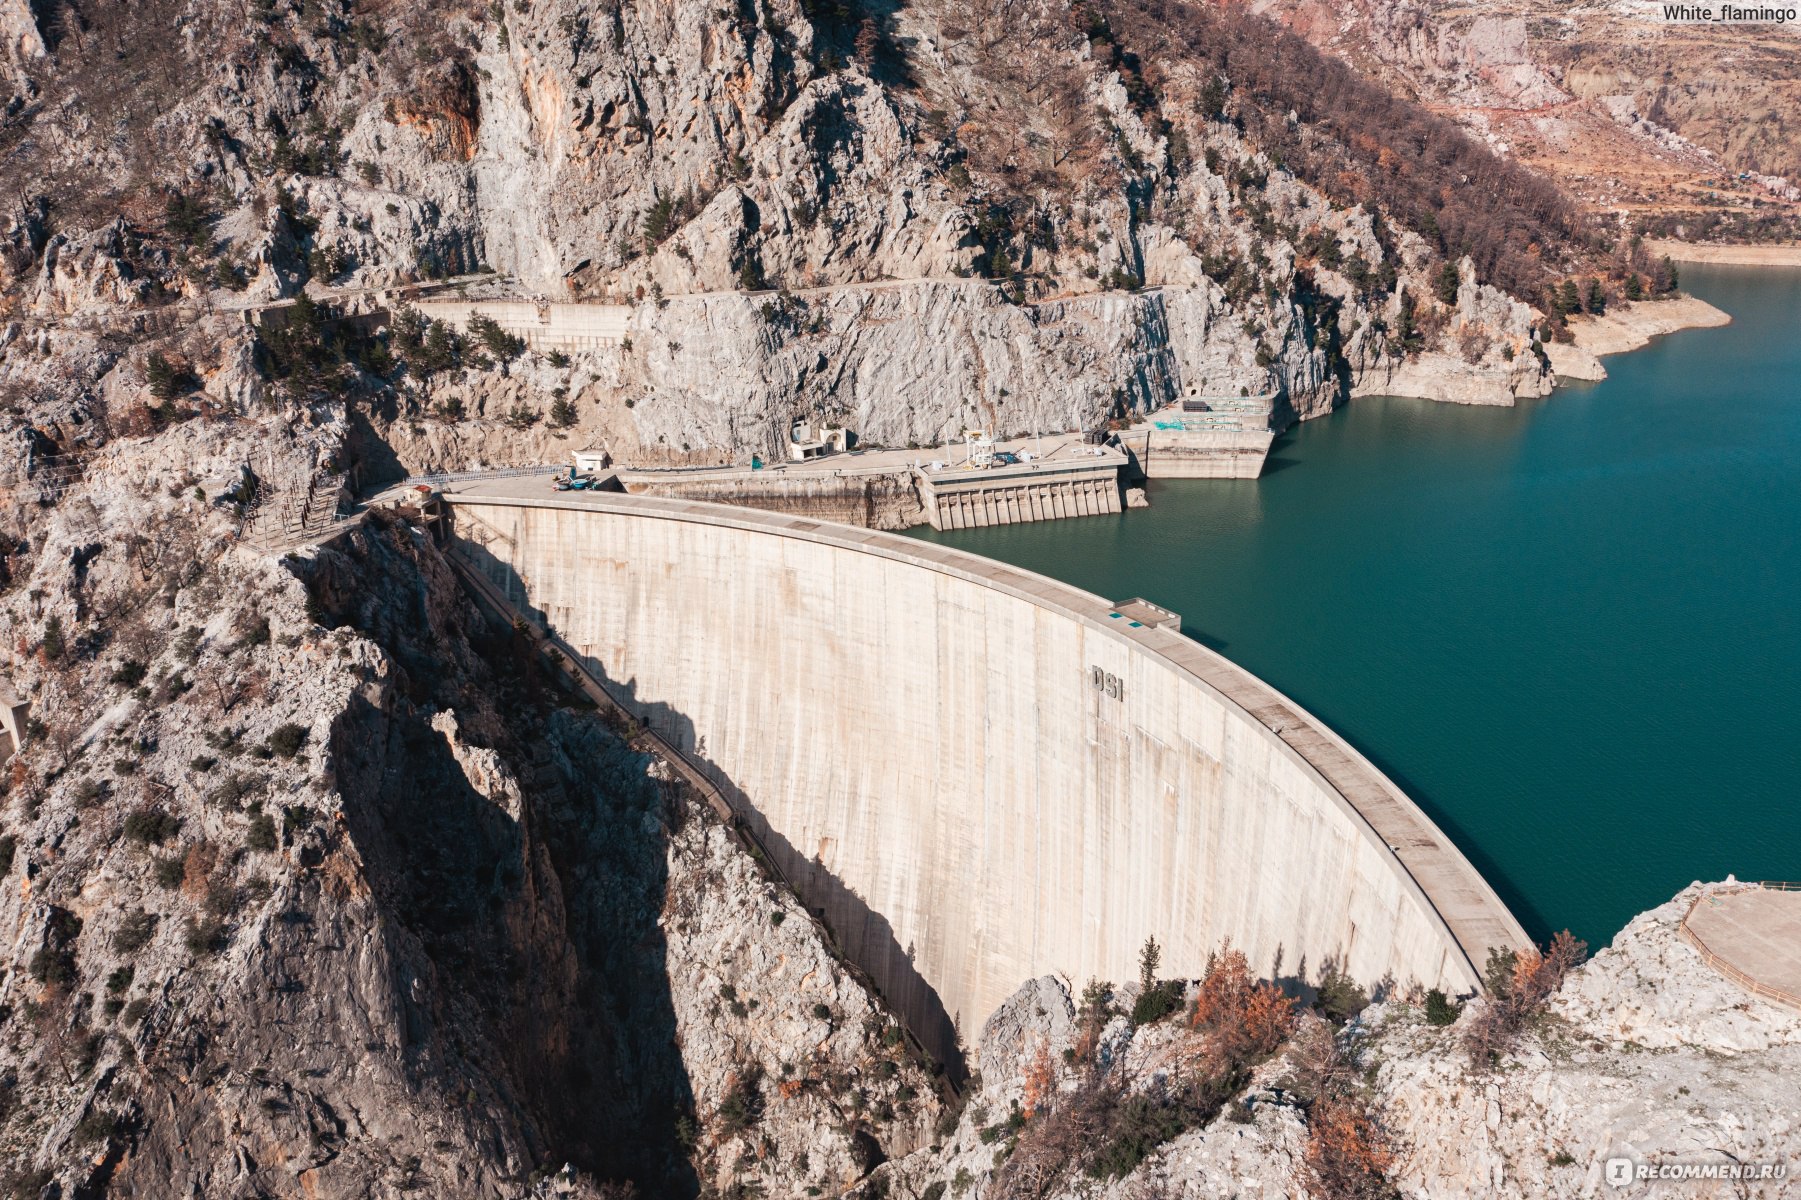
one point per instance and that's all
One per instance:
(1646, 1053)
(813, 216)
(318, 885)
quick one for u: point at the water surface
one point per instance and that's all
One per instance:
(1568, 629)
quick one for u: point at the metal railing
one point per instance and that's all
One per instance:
(1737, 975)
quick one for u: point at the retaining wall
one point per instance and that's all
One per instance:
(982, 775)
(550, 326)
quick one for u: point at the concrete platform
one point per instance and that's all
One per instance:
(1230, 438)
(1049, 477)
(1752, 935)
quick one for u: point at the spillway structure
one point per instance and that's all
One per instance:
(978, 775)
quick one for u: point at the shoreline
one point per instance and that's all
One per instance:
(1627, 326)
(1729, 254)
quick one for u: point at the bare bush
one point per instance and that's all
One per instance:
(1520, 985)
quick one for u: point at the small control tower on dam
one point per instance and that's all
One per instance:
(979, 775)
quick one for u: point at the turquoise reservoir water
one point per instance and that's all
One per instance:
(1571, 630)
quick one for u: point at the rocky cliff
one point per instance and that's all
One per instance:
(1680, 128)
(894, 218)
(317, 883)
(1644, 1053)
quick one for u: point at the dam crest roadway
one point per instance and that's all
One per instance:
(978, 775)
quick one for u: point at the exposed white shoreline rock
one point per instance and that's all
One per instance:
(1627, 326)
(1646, 1053)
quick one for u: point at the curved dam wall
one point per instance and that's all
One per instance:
(978, 774)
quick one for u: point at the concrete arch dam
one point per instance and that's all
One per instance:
(978, 774)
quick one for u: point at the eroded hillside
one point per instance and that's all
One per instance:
(1675, 129)
(917, 219)
(320, 882)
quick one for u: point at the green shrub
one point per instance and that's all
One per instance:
(1447, 283)
(169, 872)
(133, 934)
(1158, 1002)
(53, 967)
(501, 344)
(129, 673)
(97, 1126)
(262, 833)
(1340, 997)
(53, 644)
(1440, 1010)
(9, 845)
(234, 789)
(822, 1011)
(287, 740)
(151, 826)
(168, 688)
(119, 982)
(1140, 1124)
(743, 1104)
(775, 918)
(1497, 973)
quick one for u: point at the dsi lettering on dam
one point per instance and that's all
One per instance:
(979, 775)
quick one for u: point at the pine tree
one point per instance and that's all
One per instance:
(1448, 282)
(1596, 301)
(161, 376)
(1149, 959)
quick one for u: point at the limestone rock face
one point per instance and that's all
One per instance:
(1652, 989)
(319, 890)
(805, 229)
(1646, 1053)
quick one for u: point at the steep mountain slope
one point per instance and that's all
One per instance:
(319, 884)
(1023, 215)
(1674, 128)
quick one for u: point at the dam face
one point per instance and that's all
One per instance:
(980, 775)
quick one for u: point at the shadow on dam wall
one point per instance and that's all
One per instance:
(863, 937)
